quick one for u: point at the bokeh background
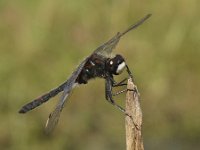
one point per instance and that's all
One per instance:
(41, 41)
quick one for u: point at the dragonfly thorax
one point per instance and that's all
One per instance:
(94, 67)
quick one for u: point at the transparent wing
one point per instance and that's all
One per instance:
(55, 115)
(107, 47)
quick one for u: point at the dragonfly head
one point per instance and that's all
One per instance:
(116, 65)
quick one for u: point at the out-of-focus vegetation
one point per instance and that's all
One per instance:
(41, 41)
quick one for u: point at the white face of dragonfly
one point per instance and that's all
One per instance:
(120, 68)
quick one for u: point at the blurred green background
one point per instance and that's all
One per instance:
(41, 41)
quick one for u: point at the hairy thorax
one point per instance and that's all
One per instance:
(94, 67)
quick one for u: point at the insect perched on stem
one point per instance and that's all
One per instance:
(99, 64)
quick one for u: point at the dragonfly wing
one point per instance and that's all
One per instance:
(70, 84)
(55, 115)
(107, 48)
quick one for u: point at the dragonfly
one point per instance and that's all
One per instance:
(102, 64)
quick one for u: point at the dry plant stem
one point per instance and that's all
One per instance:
(133, 124)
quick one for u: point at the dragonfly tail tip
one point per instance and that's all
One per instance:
(22, 111)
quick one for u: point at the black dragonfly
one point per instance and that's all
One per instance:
(101, 63)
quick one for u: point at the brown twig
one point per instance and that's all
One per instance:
(133, 124)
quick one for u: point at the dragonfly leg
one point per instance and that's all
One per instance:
(129, 72)
(121, 83)
(119, 92)
(108, 94)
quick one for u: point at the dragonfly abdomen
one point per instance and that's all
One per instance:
(37, 102)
